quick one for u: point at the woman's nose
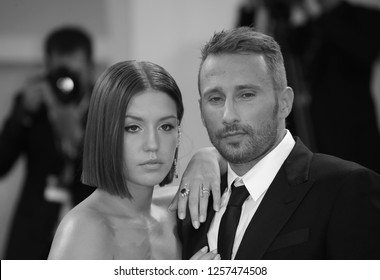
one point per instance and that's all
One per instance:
(151, 141)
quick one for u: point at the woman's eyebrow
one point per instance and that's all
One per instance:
(138, 118)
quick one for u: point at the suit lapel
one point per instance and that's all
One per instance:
(283, 196)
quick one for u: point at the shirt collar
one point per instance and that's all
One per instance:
(258, 179)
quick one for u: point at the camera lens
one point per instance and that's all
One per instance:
(65, 85)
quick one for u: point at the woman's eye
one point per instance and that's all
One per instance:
(167, 127)
(132, 128)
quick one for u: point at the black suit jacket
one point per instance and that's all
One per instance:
(317, 207)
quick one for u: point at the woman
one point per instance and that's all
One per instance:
(130, 145)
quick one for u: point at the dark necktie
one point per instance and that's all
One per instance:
(230, 221)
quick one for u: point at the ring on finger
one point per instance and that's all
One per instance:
(185, 191)
(204, 190)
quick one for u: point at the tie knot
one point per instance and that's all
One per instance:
(238, 195)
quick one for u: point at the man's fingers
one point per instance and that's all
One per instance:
(200, 253)
(213, 255)
(204, 254)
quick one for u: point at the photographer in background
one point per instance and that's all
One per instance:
(46, 126)
(338, 43)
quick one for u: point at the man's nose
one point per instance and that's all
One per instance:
(230, 114)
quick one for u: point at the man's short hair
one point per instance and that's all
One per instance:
(68, 39)
(244, 41)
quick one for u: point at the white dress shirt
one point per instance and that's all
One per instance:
(257, 180)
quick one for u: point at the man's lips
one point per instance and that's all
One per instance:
(232, 134)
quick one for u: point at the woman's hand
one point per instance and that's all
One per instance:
(203, 254)
(201, 177)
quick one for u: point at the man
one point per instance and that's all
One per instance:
(294, 204)
(46, 126)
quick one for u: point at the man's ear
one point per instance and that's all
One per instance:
(200, 109)
(286, 99)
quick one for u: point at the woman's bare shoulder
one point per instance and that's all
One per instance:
(84, 233)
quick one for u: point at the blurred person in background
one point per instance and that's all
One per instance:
(46, 126)
(253, 13)
(338, 43)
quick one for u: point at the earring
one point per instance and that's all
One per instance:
(175, 168)
(179, 136)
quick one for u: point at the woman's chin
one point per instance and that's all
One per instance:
(151, 179)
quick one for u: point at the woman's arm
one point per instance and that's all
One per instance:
(204, 170)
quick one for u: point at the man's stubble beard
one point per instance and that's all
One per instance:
(255, 144)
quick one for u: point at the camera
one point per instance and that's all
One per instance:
(65, 85)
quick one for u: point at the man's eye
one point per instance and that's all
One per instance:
(132, 128)
(167, 127)
(216, 99)
(248, 95)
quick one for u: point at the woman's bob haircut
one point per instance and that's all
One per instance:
(103, 162)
